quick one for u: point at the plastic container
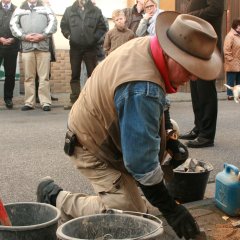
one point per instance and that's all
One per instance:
(111, 226)
(227, 194)
(189, 186)
(30, 221)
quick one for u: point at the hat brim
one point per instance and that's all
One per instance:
(203, 69)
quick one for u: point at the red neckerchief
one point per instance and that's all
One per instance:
(160, 63)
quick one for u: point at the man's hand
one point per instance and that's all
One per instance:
(182, 222)
(177, 216)
(177, 151)
(6, 41)
(34, 37)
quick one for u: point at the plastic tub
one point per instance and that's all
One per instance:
(30, 221)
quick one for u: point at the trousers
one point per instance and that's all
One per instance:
(8, 57)
(115, 188)
(205, 107)
(36, 62)
(76, 57)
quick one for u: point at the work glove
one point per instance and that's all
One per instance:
(177, 216)
(177, 151)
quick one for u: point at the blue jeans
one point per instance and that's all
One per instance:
(140, 107)
(233, 78)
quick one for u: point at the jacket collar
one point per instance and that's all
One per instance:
(12, 6)
(134, 10)
(89, 5)
(26, 6)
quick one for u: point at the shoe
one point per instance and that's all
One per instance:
(26, 108)
(54, 98)
(189, 135)
(200, 142)
(47, 191)
(46, 108)
(9, 103)
(230, 98)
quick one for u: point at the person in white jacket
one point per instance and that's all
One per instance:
(147, 24)
(34, 24)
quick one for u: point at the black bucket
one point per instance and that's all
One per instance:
(111, 226)
(189, 186)
(30, 221)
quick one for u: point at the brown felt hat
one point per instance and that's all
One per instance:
(190, 41)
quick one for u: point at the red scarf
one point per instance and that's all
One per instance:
(160, 63)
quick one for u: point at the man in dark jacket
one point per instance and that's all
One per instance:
(9, 47)
(83, 24)
(204, 94)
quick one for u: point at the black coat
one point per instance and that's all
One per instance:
(5, 17)
(83, 30)
(211, 11)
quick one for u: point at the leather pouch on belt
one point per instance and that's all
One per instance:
(70, 142)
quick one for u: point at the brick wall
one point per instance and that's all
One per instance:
(61, 72)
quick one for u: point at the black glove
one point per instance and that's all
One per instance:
(177, 151)
(177, 216)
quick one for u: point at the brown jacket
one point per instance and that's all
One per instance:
(115, 38)
(231, 50)
(93, 117)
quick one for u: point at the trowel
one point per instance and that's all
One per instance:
(4, 218)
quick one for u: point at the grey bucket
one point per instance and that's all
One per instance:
(112, 226)
(30, 221)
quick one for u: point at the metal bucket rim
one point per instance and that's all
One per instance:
(208, 171)
(130, 213)
(36, 226)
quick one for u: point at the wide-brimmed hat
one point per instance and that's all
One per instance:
(190, 41)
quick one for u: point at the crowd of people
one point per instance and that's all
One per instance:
(169, 48)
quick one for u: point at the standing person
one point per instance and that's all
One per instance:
(232, 56)
(134, 15)
(116, 128)
(119, 35)
(83, 24)
(147, 24)
(34, 25)
(9, 47)
(204, 94)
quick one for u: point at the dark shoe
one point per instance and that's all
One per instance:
(200, 142)
(54, 98)
(47, 191)
(189, 135)
(46, 108)
(230, 98)
(9, 103)
(26, 108)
